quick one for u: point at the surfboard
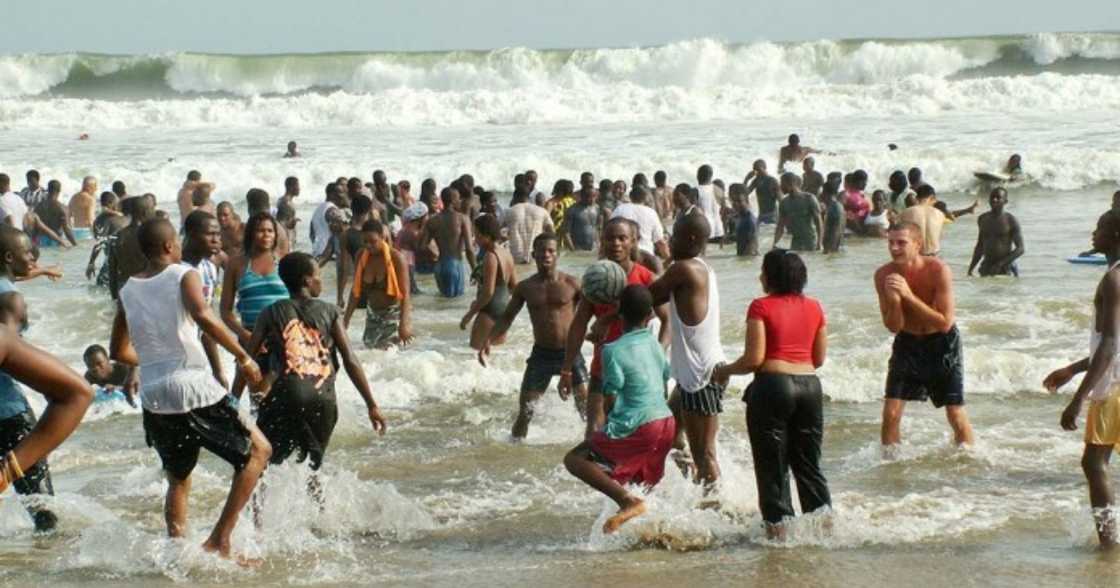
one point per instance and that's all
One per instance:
(991, 177)
(1096, 259)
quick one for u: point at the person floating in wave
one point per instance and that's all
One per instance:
(552, 297)
(794, 152)
(630, 429)
(293, 150)
(927, 362)
(1000, 240)
(1100, 384)
(112, 378)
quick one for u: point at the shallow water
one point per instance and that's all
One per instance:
(445, 498)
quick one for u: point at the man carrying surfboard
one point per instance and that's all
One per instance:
(1000, 240)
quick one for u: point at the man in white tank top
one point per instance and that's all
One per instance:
(710, 201)
(185, 408)
(1101, 384)
(689, 285)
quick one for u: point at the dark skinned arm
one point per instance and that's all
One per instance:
(357, 375)
(576, 332)
(978, 250)
(1106, 352)
(190, 288)
(516, 302)
(225, 306)
(68, 396)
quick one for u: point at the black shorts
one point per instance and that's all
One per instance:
(706, 401)
(178, 438)
(303, 422)
(37, 478)
(544, 363)
(927, 367)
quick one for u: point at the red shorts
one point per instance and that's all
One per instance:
(639, 458)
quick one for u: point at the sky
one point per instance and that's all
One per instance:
(288, 26)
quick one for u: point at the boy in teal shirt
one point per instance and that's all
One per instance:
(640, 428)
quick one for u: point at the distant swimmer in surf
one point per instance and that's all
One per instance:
(794, 151)
(1000, 241)
(916, 304)
(1099, 386)
(293, 150)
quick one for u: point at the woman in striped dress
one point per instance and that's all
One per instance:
(251, 282)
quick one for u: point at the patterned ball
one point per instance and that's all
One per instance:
(603, 282)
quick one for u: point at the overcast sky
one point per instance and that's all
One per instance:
(282, 26)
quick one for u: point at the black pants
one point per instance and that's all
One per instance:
(785, 425)
(37, 478)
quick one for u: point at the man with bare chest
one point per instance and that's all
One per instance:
(452, 233)
(552, 297)
(916, 304)
(1000, 241)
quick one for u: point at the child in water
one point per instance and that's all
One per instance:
(639, 428)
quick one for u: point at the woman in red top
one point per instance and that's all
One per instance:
(786, 343)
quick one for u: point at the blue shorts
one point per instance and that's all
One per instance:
(451, 277)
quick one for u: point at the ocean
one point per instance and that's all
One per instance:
(445, 498)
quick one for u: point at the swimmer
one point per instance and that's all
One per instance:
(794, 152)
(233, 230)
(107, 374)
(663, 197)
(916, 304)
(583, 219)
(1099, 386)
(834, 219)
(185, 410)
(880, 218)
(811, 180)
(498, 278)
(126, 259)
(630, 429)
(33, 193)
(1000, 240)
(552, 297)
(744, 222)
(185, 197)
(293, 150)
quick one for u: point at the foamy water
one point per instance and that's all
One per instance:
(445, 497)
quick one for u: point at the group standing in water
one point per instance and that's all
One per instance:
(288, 344)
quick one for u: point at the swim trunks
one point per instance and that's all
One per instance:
(544, 363)
(44, 241)
(82, 233)
(707, 401)
(178, 437)
(638, 458)
(1102, 426)
(451, 277)
(927, 367)
(382, 327)
(303, 421)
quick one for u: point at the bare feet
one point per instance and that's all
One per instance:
(223, 551)
(635, 507)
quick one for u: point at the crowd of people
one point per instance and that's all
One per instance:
(187, 292)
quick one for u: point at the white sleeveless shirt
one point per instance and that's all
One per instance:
(174, 373)
(1111, 376)
(696, 350)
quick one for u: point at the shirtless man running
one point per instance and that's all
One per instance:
(1000, 241)
(552, 297)
(916, 304)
